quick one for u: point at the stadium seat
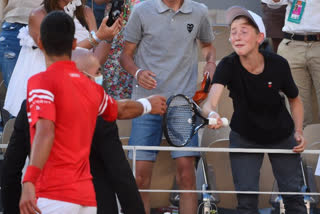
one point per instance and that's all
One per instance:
(311, 133)
(312, 136)
(7, 131)
(309, 186)
(163, 171)
(312, 182)
(4, 114)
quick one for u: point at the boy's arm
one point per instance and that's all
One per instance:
(296, 108)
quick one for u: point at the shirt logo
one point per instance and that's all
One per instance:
(74, 75)
(270, 84)
(190, 27)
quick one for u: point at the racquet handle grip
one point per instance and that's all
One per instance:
(213, 121)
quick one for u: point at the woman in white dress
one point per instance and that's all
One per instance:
(31, 60)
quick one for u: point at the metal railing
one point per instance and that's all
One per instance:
(206, 149)
(227, 150)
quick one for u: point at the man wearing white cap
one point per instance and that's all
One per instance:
(260, 118)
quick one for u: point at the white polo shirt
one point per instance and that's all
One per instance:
(310, 22)
(275, 5)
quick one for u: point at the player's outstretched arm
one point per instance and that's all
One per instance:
(128, 109)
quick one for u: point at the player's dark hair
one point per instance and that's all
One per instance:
(57, 33)
(249, 22)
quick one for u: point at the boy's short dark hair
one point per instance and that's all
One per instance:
(57, 33)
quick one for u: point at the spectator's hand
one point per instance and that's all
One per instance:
(158, 104)
(146, 79)
(301, 142)
(108, 33)
(28, 200)
(210, 68)
(217, 117)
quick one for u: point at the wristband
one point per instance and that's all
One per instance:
(92, 41)
(32, 174)
(94, 36)
(211, 113)
(146, 105)
(137, 72)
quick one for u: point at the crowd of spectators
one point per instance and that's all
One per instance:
(138, 58)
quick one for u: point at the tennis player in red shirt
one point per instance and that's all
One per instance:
(62, 106)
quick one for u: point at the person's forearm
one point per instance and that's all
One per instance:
(102, 52)
(126, 61)
(85, 44)
(41, 147)
(296, 107)
(213, 99)
(208, 107)
(128, 109)
(209, 52)
(40, 151)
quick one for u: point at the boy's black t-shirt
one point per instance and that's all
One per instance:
(260, 113)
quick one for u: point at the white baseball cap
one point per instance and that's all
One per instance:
(235, 11)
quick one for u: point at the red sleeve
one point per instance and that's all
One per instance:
(40, 99)
(108, 108)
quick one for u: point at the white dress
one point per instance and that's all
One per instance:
(30, 61)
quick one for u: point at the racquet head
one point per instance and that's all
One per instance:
(179, 120)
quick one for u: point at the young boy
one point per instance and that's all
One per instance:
(260, 118)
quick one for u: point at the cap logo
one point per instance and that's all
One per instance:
(189, 27)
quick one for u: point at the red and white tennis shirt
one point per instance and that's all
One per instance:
(68, 98)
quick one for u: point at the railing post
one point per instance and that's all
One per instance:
(134, 153)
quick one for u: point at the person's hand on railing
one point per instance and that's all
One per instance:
(301, 142)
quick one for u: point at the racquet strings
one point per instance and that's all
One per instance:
(179, 121)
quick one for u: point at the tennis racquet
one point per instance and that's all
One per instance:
(183, 120)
